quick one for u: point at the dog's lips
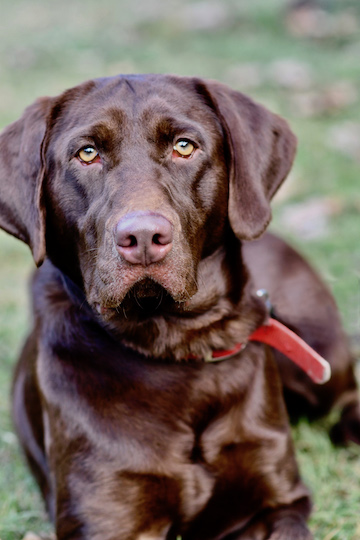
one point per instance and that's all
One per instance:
(147, 288)
(102, 310)
(145, 298)
(119, 291)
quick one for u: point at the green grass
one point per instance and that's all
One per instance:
(333, 476)
(47, 46)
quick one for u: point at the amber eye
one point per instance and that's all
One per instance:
(184, 147)
(88, 154)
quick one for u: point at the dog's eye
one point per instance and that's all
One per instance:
(88, 154)
(184, 148)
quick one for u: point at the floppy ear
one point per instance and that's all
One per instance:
(261, 151)
(21, 208)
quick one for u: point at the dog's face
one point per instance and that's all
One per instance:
(135, 189)
(128, 184)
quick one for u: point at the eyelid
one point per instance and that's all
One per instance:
(78, 143)
(186, 139)
(191, 136)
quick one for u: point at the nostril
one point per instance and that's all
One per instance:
(126, 240)
(161, 239)
(156, 239)
(132, 241)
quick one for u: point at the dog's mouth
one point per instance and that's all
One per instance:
(146, 298)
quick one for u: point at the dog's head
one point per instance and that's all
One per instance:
(129, 183)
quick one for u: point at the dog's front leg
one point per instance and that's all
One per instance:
(290, 522)
(286, 523)
(106, 504)
(109, 529)
(291, 529)
(286, 527)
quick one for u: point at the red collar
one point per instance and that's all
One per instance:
(277, 335)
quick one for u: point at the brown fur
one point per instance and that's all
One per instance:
(128, 438)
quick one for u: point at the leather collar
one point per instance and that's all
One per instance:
(278, 336)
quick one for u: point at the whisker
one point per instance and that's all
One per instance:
(161, 296)
(137, 300)
(83, 304)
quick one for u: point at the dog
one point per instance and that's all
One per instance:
(143, 199)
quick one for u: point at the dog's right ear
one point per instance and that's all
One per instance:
(22, 212)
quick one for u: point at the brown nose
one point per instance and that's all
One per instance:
(143, 237)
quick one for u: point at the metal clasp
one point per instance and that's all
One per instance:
(265, 297)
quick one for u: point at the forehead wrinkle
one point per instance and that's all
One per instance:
(160, 123)
(97, 132)
(177, 115)
(87, 114)
(165, 107)
(108, 126)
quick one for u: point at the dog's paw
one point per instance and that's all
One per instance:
(291, 531)
(348, 428)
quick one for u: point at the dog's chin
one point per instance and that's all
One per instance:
(145, 299)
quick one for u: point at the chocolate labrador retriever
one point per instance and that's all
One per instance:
(135, 194)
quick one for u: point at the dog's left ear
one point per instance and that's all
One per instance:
(261, 148)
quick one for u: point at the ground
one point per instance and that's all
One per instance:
(302, 62)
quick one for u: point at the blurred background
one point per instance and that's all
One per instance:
(299, 58)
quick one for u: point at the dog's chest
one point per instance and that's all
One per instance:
(161, 417)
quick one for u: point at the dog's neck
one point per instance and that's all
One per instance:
(223, 312)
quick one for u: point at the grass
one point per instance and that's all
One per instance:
(47, 46)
